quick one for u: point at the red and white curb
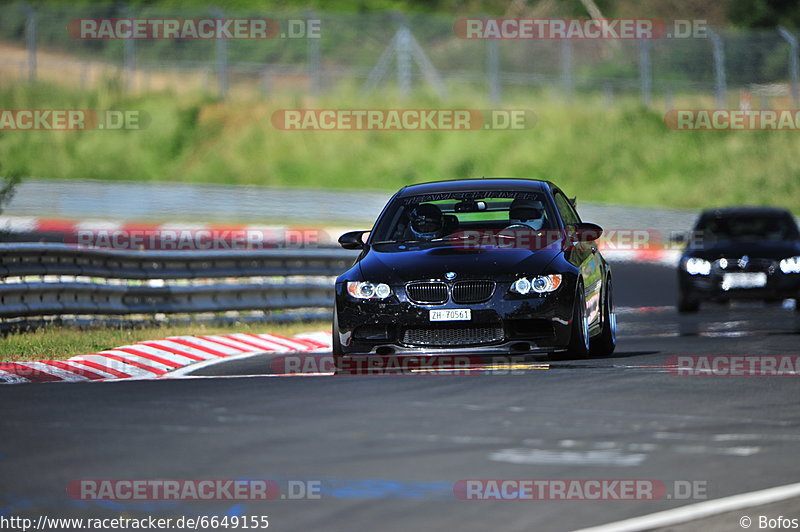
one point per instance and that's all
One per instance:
(664, 256)
(170, 235)
(158, 358)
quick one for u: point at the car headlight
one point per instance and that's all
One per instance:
(696, 266)
(790, 265)
(540, 284)
(367, 290)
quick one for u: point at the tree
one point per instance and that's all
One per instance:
(764, 13)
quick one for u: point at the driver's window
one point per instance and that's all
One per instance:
(568, 214)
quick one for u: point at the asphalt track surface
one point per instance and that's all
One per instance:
(388, 450)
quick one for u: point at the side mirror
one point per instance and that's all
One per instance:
(573, 201)
(352, 240)
(585, 232)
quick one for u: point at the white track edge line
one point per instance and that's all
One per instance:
(700, 510)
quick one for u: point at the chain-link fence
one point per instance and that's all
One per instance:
(409, 52)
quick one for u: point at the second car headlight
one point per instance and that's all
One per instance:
(697, 266)
(367, 290)
(539, 284)
(790, 265)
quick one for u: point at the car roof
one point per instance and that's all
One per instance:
(461, 185)
(745, 210)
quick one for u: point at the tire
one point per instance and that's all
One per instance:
(336, 345)
(604, 343)
(579, 335)
(687, 303)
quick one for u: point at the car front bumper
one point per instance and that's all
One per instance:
(779, 286)
(505, 324)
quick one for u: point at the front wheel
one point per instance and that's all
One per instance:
(687, 303)
(336, 345)
(604, 343)
(579, 334)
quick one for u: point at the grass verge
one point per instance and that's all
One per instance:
(621, 154)
(61, 343)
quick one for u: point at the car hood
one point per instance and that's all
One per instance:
(755, 249)
(391, 265)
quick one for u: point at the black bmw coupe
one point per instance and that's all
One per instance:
(479, 266)
(740, 253)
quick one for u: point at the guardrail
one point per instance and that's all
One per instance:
(56, 279)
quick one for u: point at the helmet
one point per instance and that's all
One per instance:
(529, 212)
(427, 221)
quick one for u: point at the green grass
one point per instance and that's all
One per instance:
(60, 343)
(623, 154)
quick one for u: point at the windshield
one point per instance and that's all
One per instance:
(744, 227)
(492, 217)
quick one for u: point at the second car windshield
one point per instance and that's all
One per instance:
(413, 219)
(744, 227)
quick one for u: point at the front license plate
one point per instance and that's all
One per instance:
(451, 314)
(744, 280)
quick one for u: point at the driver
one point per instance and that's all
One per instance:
(527, 212)
(427, 221)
